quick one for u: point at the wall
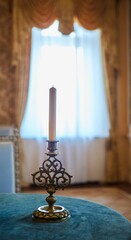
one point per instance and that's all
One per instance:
(7, 85)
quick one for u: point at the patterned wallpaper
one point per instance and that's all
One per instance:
(129, 44)
(7, 83)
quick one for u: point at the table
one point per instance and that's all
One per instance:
(89, 221)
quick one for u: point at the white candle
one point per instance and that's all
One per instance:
(52, 114)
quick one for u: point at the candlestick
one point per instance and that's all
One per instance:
(52, 114)
(51, 176)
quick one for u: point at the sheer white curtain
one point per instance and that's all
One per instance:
(73, 64)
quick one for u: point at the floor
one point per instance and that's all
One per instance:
(117, 197)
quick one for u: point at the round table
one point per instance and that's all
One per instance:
(88, 221)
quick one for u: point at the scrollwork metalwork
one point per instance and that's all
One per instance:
(52, 173)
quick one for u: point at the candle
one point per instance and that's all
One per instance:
(52, 114)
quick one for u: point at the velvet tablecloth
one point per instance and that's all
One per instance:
(89, 221)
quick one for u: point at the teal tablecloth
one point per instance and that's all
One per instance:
(89, 221)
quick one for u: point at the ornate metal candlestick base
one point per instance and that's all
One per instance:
(51, 176)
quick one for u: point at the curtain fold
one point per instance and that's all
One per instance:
(91, 14)
(111, 59)
(40, 14)
(111, 143)
(20, 59)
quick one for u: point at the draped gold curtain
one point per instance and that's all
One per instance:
(91, 14)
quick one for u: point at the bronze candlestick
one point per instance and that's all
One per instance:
(51, 176)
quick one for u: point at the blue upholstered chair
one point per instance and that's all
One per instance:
(9, 160)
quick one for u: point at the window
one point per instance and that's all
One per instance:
(73, 64)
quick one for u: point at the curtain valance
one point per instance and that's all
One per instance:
(42, 13)
(91, 14)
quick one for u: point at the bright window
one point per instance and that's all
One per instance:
(73, 64)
